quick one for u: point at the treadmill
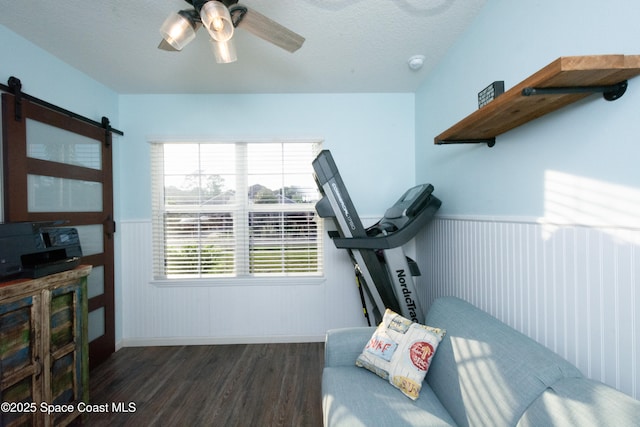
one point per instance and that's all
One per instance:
(384, 274)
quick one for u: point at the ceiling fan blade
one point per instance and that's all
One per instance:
(270, 30)
(166, 46)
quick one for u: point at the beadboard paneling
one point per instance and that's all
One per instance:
(204, 313)
(572, 288)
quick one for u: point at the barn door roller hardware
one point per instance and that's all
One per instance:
(14, 86)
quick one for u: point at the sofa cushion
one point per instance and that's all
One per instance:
(400, 351)
(582, 402)
(353, 397)
(486, 373)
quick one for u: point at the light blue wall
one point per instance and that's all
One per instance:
(542, 230)
(370, 136)
(46, 77)
(591, 141)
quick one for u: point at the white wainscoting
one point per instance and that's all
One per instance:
(195, 314)
(572, 288)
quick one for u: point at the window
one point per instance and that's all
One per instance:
(235, 210)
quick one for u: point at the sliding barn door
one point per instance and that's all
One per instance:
(57, 168)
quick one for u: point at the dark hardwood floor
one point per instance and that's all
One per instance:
(221, 385)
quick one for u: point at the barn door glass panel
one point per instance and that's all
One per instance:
(91, 239)
(53, 144)
(50, 194)
(96, 324)
(95, 285)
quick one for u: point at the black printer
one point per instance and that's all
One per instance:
(36, 249)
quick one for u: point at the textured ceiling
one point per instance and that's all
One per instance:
(351, 45)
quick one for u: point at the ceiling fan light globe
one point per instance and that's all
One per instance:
(225, 52)
(178, 31)
(217, 20)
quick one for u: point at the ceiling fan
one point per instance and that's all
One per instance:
(220, 18)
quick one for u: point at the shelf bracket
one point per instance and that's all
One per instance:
(609, 92)
(489, 141)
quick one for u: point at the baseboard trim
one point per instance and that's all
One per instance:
(178, 341)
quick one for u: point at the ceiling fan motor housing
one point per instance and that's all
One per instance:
(197, 4)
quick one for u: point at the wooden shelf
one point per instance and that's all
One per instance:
(573, 77)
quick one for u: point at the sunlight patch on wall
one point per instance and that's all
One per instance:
(577, 200)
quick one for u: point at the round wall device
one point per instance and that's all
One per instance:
(416, 61)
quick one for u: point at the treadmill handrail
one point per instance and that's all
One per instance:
(395, 239)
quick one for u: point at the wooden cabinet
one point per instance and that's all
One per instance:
(44, 368)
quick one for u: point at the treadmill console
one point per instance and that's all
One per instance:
(412, 202)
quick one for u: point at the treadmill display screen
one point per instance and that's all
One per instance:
(412, 193)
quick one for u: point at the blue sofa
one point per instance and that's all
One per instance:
(484, 373)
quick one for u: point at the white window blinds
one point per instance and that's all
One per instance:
(235, 210)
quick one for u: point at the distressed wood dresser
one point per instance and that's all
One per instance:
(44, 368)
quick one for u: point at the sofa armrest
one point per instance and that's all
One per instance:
(343, 346)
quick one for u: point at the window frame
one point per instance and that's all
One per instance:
(246, 279)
